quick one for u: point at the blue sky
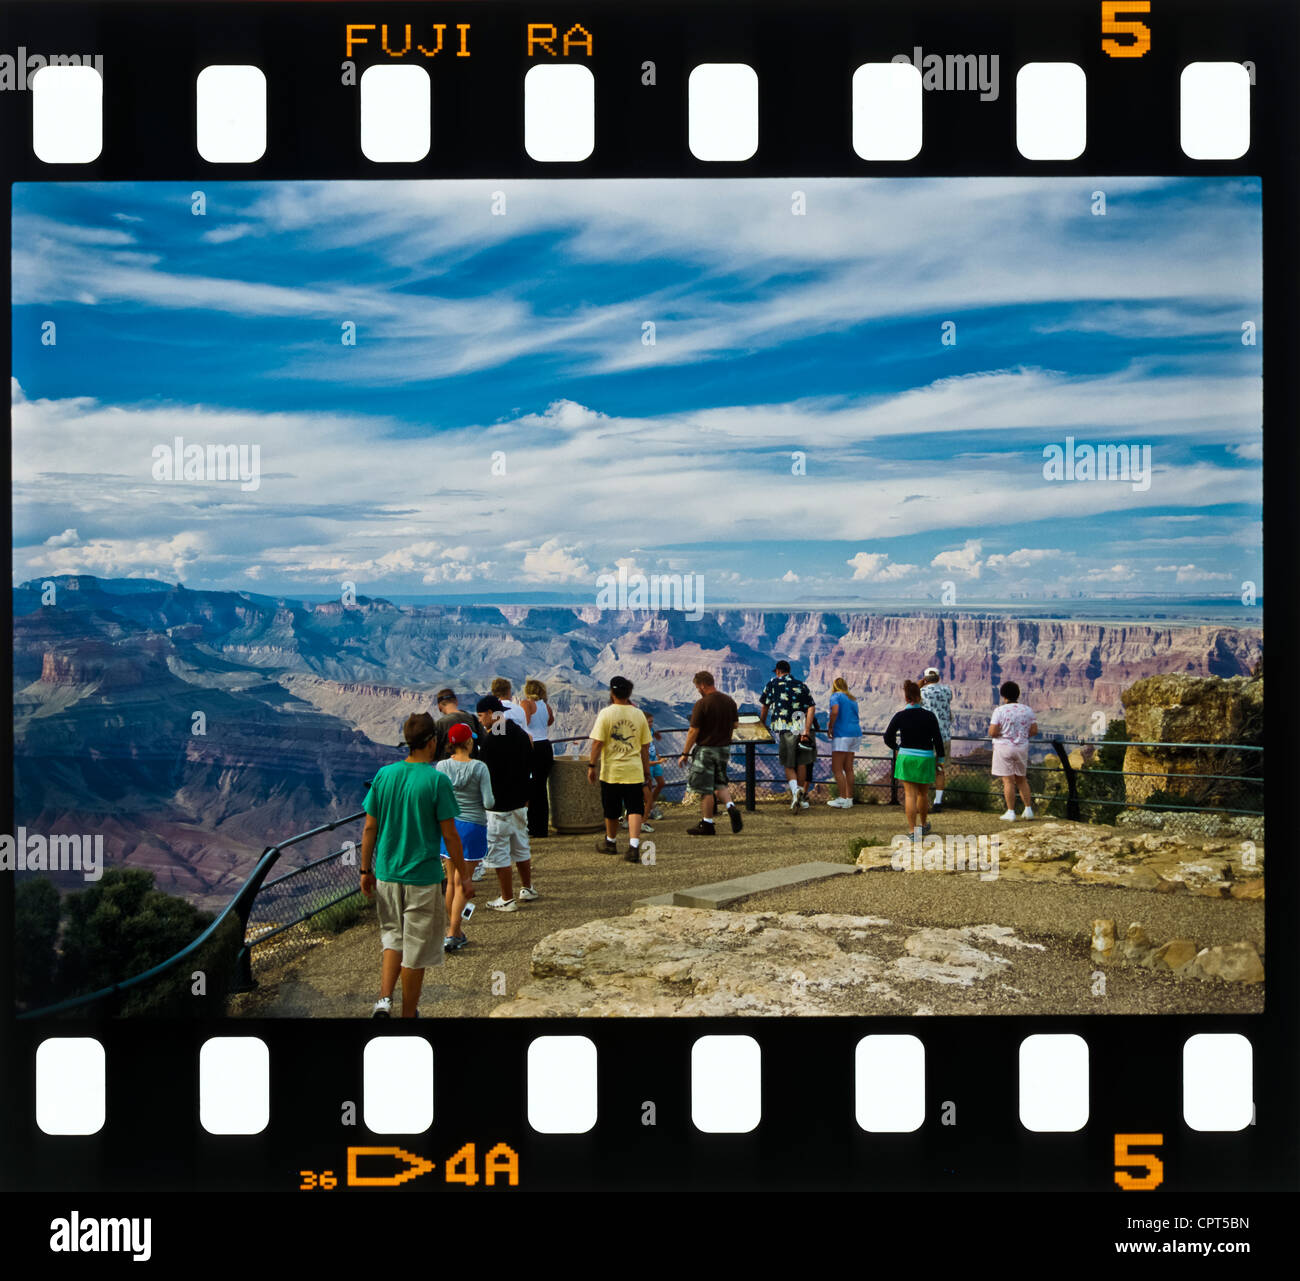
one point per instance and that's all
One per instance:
(522, 335)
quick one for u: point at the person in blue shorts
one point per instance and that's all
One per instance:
(472, 786)
(656, 782)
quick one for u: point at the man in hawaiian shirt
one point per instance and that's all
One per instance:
(793, 721)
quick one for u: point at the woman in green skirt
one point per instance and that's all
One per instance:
(915, 735)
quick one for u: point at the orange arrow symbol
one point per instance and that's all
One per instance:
(416, 1165)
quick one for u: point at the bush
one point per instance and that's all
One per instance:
(121, 926)
(36, 930)
(857, 844)
(971, 790)
(1101, 792)
(340, 916)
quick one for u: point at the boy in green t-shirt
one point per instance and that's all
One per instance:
(411, 811)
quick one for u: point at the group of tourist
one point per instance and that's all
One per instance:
(920, 736)
(471, 794)
(468, 798)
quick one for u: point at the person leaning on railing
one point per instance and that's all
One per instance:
(1011, 728)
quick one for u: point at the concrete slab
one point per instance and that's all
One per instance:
(724, 893)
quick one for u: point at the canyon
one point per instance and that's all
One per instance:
(194, 728)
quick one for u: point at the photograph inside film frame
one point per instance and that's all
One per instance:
(644, 597)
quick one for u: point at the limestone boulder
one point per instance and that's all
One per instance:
(1192, 709)
(1232, 962)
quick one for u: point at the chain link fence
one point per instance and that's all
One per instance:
(305, 904)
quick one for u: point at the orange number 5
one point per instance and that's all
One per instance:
(1110, 26)
(1153, 1165)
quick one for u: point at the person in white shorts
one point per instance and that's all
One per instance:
(845, 730)
(507, 751)
(1011, 728)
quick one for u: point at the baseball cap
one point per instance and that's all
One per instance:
(489, 703)
(620, 687)
(459, 733)
(932, 671)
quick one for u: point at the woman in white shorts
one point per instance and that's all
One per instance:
(845, 730)
(1011, 728)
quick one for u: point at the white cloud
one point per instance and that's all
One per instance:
(1192, 574)
(66, 539)
(169, 559)
(962, 560)
(1022, 558)
(789, 576)
(553, 563)
(875, 567)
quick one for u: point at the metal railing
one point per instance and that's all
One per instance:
(230, 951)
(280, 914)
(1061, 789)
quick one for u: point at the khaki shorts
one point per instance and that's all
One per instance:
(507, 838)
(410, 921)
(793, 753)
(708, 771)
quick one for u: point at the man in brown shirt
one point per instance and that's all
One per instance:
(713, 721)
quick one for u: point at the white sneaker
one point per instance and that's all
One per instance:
(794, 800)
(527, 893)
(480, 870)
(846, 803)
(1029, 813)
(500, 904)
(383, 1008)
(1009, 816)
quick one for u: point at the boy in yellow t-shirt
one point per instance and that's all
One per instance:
(620, 741)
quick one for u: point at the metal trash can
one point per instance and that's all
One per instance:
(575, 803)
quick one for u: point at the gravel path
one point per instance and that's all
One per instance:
(578, 884)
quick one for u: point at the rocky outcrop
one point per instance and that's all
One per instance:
(660, 961)
(1237, 962)
(1091, 854)
(1194, 709)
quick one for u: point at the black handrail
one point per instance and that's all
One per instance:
(241, 902)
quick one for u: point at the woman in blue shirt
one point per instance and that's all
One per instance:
(845, 731)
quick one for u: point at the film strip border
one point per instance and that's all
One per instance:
(559, 112)
(326, 90)
(889, 1071)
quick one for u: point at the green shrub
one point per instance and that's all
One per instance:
(121, 926)
(36, 930)
(340, 916)
(972, 790)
